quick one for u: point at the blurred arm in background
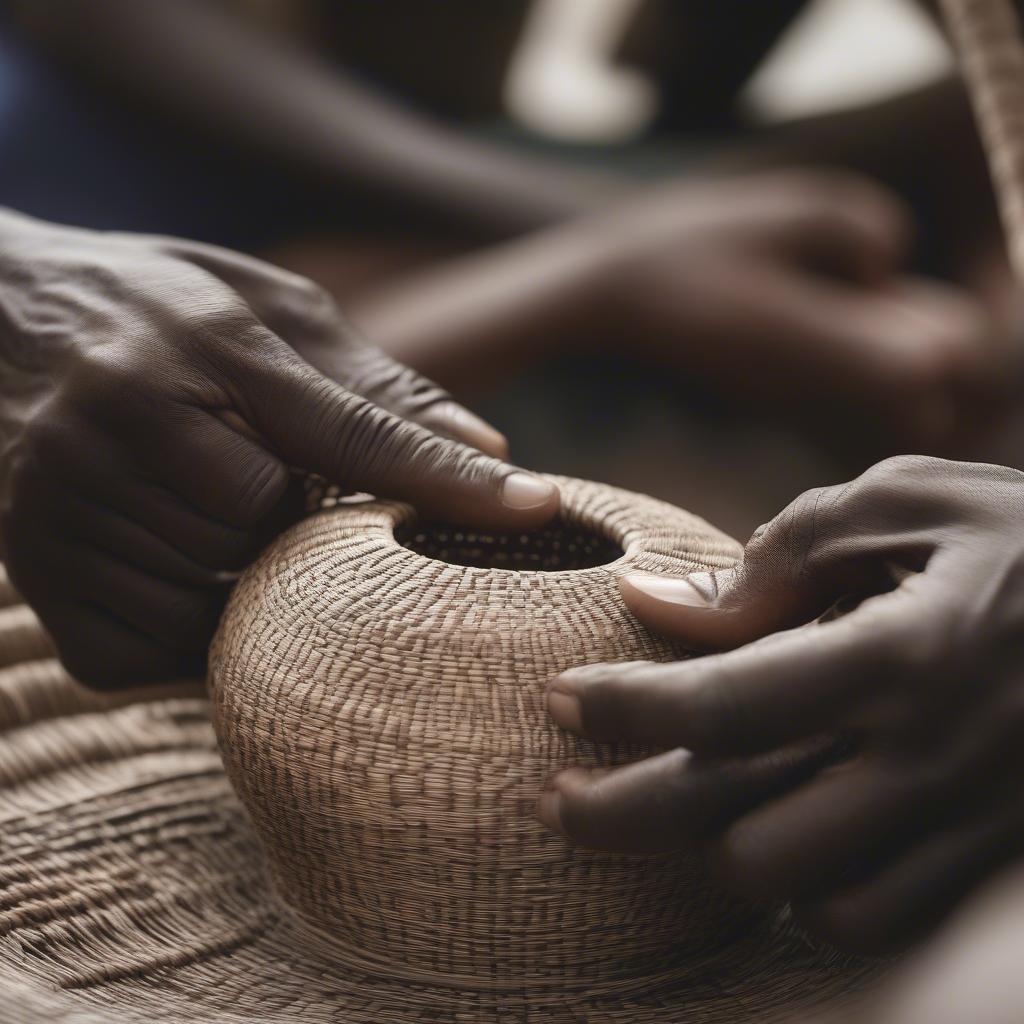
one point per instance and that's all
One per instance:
(766, 288)
(203, 66)
(788, 290)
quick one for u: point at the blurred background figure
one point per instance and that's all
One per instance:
(714, 251)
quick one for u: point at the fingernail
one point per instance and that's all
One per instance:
(457, 420)
(524, 490)
(671, 589)
(549, 811)
(564, 705)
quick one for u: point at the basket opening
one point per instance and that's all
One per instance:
(557, 547)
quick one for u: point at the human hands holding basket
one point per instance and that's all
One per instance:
(923, 680)
(157, 395)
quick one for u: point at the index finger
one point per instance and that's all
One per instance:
(776, 691)
(312, 422)
(670, 800)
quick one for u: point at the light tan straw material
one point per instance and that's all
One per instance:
(987, 37)
(380, 713)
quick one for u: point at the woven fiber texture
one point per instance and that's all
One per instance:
(987, 37)
(389, 765)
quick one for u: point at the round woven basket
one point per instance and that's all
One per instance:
(379, 689)
(379, 709)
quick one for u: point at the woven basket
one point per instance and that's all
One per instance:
(380, 713)
(379, 692)
(987, 35)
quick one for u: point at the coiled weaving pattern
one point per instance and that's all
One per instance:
(133, 887)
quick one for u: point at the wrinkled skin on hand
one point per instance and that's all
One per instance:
(794, 290)
(922, 682)
(156, 396)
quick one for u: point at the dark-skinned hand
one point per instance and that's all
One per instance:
(156, 396)
(864, 765)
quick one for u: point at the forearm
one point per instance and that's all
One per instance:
(205, 68)
(471, 321)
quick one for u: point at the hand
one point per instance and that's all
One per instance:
(790, 290)
(155, 396)
(875, 838)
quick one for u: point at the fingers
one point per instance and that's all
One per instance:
(106, 654)
(792, 569)
(367, 371)
(181, 620)
(915, 892)
(64, 582)
(85, 485)
(124, 605)
(846, 225)
(781, 690)
(667, 801)
(830, 544)
(305, 316)
(912, 357)
(835, 829)
(708, 610)
(77, 518)
(210, 463)
(315, 424)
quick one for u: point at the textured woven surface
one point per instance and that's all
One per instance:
(987, 37)
(391, 771)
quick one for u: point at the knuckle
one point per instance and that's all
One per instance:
(897, 471)
(105, 376)
(391, 441)
(218, 336)
(380, 378)
(899, 487)
(301, 306)
(932, 649)
(786, 546)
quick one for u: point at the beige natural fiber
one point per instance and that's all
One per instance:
(987, 37)
(379, 710)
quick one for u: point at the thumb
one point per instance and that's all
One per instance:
(794, 569)
(714, 610)
(317, 425)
